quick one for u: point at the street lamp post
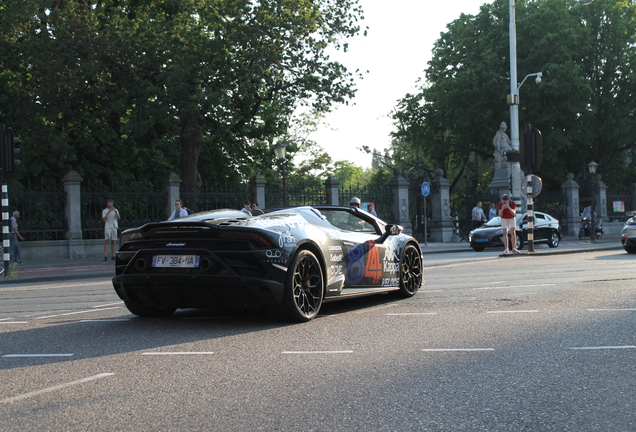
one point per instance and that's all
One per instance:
(592, 168)
(279, 151)
(513, 101)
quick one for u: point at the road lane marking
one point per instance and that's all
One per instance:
(317, 352)
(109, 304)
(515, 286)
(456, 349)
(75, 313)
(57, 387)
(13, 322)
(604, 347)
(513, 311)
(36, 355)
(611, 310)
(106, 320)
(413, 313)
(178, 353)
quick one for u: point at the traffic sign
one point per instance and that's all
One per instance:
(537, 185)
(426, 189)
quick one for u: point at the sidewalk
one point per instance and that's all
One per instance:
(63, 270)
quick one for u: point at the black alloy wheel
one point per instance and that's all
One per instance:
(411, 271)
(304, 288)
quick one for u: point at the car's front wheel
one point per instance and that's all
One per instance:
(554, 240)
(478, 248)
(629, 250)
(304, 288)
(411, 271)
(148, 311)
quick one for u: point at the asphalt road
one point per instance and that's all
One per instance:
(532, 343)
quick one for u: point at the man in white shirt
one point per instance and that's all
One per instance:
(110, 216)
(179, 211)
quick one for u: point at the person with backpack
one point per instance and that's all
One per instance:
(179, 210)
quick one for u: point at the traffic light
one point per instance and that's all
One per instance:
(530, 149)
(8, 150)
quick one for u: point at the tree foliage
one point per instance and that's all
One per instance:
(584, 107)
(136, 88)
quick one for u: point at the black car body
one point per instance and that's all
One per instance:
(290, 260)
(546, 230)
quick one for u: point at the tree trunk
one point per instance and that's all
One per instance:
(191, 139)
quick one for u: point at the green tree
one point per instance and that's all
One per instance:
(584, 106)
(141, 86)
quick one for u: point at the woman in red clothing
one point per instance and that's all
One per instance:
(507, 213)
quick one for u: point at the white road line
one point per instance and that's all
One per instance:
(456, 349)
(427, 291)
(435, 267)
(13, 322)
(610, 310)
(604, 347)
(57, 387)
(75, 313)
(513, 311)
(514, 286)
(6, 319)
(317, 352)
(179, 353)
(106, 320)
(36, 355)
(413, 313)
(109, 304)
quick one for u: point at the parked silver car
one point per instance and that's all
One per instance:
(628, 236)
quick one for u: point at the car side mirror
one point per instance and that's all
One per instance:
(394, 229)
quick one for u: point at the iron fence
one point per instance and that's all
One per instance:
(138, 203)
(618, 205)
(214, 196)
(42, 212)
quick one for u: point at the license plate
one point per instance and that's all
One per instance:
(481, 240)
(186, 261)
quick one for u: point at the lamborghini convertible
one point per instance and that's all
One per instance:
(288, 260)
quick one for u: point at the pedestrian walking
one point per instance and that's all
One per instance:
(14, 235)
(478, 215)
(110, 216)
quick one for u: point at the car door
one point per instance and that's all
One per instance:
(541, 227)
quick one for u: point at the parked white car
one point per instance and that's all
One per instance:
(628, 236)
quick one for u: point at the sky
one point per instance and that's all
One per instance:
(395, 51)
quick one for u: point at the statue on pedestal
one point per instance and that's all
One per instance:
(501, 141)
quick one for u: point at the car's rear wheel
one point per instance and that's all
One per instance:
(304, 288)
(554, 240)
(148, 311)
(630, 250)
(411, 271)
(478, 249)
(518, 241)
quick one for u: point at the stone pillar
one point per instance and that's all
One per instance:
(73, 212)
(572, 211)
(400, 201)
(172, 186)
(257, 190)
(441, 222)
(331, 190)
(600, 206)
